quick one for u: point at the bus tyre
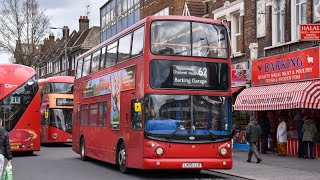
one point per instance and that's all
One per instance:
(122, 159)
(82, 150)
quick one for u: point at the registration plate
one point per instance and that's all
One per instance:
(191, 165)
(14, 146)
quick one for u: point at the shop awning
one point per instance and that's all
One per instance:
(236, 89)
(283, 96)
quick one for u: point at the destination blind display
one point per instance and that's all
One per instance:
(190, 76)
(173, 74)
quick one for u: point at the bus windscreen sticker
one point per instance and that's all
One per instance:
(190, 76)
(116, 85)
(102, 85)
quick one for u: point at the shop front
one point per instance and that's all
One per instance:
(240, 74)
(287, 85)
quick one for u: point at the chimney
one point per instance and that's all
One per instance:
(65, 31)
(83, 23)
(51, 39)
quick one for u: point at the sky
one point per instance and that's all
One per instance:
(66, 13)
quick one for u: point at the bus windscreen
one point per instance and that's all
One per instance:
(14, 105)
(183, 38)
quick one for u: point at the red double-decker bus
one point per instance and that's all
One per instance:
(157, 96)
(56, 109)
(20, 106)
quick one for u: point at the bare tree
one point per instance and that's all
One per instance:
(22, 26)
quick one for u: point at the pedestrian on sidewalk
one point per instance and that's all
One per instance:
(265, 131)
(282, 137)
(309, 131)
(4, 147)
(253, 132)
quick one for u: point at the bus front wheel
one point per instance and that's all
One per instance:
(82, 150)
(122, 159)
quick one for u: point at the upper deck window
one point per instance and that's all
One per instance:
(137, 42)
(111, 54)
(79, 68)
(61, 88)
(95, 61)
(177, 38)
(103, 57)
(124, 48)
(86, 66)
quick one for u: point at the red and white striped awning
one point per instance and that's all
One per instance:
(282, 96)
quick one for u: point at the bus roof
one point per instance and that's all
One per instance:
(13, 76)
(60, 79)
(149, 19)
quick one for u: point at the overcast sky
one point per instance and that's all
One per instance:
(67, 13)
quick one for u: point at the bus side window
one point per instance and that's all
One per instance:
(136, 114)
(84, 115)
(79, 68)
(124, 48)
(102, 114)
(95, 61)
(137, 42)
(111, 56)
(103, 57)
(86, 66)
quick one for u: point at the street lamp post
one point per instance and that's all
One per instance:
(65, 47)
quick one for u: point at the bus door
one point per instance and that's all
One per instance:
(136, 133)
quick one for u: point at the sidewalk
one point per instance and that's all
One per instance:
(274, 167)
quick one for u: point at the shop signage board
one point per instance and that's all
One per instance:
(288, 67)
(310, 32)
(240, 74)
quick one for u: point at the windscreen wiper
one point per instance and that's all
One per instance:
(212, 135)
(174, 132)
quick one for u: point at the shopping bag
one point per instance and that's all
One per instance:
(8, 175)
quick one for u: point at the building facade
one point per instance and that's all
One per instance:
(265, 35)
(117, 15)
(52, 62)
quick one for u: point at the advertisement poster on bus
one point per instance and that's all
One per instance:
(289, 67)
(240, 74)
(116, 84)
(102, 85)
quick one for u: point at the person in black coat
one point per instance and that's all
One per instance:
(5, 151)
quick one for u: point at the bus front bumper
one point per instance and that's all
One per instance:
(187, 163)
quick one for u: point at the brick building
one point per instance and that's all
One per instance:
(171, 7)
(51, 61)
(269, 25)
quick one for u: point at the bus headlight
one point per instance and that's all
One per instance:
(159, 151)
(223, 151)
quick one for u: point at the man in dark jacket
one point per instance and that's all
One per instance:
(253, 132)
(4, 147)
